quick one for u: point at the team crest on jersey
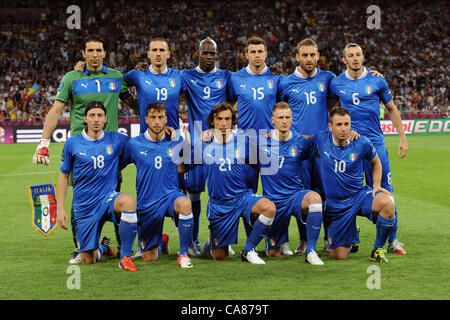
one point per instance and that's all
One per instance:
(112, 85)
(219, 84)
(109, 149)
(270, 84)
(293, 151)
(321, 86)
(369, 89)
(172, 83)
(352, 156)
(43, 203)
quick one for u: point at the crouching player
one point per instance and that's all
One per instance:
(341, 164)
(281, 182)
(93, 158)
(157, 157)
(226, 160)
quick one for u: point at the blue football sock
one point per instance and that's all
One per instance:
(260, 228)
(313, 226)
(384, 227)
(127, 232)
(393, 233)
(185, 226)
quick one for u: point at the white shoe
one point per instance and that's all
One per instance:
(252, 257)
(231, 252)
(313, 259)
(285, 250)
(76, 257)
(138, 253)
(184, 261)
(396, 247)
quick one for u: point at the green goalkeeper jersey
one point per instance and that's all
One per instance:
(79, 88)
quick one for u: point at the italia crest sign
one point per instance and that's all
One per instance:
(43, 203)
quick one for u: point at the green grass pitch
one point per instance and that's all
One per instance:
(34, 267)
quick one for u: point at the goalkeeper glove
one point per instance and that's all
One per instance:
(42, 155)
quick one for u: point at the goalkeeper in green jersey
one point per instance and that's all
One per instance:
(97, 82)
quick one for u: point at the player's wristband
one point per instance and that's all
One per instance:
(44, 143)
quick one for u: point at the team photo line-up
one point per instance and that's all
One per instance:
(310, 139)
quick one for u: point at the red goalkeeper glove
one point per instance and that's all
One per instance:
(42, 155)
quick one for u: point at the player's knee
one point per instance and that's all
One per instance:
(220, 253)
(268, 208)
(387, 206)
(274, 253)
(150, 255)
(340, 253)
(183, 205)
(125, 202)
(313, 199)
(88, 257)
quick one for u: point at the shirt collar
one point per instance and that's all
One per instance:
(247, 68)
(85, 135)
(360, 77)
(298, 74)
(87, 72)
(228, 140)
(201, 71)
(153, 71)
(147, 135)
(278, 139)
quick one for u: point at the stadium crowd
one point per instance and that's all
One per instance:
(411, 49)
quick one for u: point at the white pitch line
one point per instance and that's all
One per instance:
(26, 173)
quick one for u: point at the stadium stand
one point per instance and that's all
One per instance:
(411, 49)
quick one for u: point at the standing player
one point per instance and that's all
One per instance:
(226, 160)
(341, 163)
(157, 84)
(283, 185)
(93, 159)
(306, 92)
(97, 82)
(255, 89)
(206, 86)
(158, 195)
(360, 93)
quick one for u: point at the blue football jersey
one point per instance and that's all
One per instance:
(152, 87)
(204, 90)
(307, 98)
(156, 167)
(342, 167)
(226, 167)
(361, 97)
(256, 95)
(288, 154)
(94, 165)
